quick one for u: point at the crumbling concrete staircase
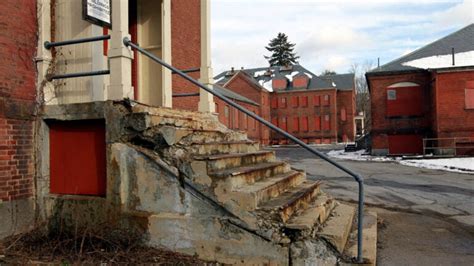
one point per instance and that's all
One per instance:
(278, 214)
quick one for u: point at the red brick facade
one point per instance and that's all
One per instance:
(242, 85)
(186, 48)
(315, 116)
(434, 109)
(18, 42)
(452, 118)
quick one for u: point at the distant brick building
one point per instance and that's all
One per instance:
(426, 99)
(314, 109)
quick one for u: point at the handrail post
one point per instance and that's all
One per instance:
(280, 131)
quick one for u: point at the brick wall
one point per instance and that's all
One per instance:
(186, 48)
(382, 125)
(321, 105)
(452, 117)
(346, 109)
(17, 96)
(241, 84)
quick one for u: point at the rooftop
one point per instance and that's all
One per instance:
(438, 54)
(263, 76)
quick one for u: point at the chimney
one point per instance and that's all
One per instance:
(454, 60)
(241, 68)
(232, 69)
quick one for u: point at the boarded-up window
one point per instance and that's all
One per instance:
(282, 102)
(343, 114)
(404, 99)
(304, 101)
(327, 122)
(326, 100)
(236, 118)
(275, 121)
(226, 111)
(284, 124)
(244, 121)
(304, 123)
(78, 158)
(275, 102)
(469, 98)
(317, 123)
(254, 122)
(296, 126)
(294, 101)
(316, 100)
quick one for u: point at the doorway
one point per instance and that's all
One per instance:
(149, 28)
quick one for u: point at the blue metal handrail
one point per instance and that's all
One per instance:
(128, 43)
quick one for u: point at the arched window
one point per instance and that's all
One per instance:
(404, 99)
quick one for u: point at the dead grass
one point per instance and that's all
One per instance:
(106, 248)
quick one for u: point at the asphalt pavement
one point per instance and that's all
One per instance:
(427, 216)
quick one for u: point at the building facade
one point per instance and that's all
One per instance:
(32, 79)
(318, 110)
(422, 103)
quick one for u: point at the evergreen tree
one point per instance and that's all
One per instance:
(328, 72)
(282, 51)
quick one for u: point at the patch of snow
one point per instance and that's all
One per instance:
(219, 79)
(309, 75)
(359, 156)
(333, 84)
(267, 84)
(259, 73)
(292, 75)
(460, 165)
(441, 61)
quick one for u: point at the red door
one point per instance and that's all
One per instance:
(405, 144)
(133, 30)
(77, 158)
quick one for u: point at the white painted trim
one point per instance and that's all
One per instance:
(120, 57)
(44, 57)
(167, 90)
(98, 63)
(206, 100)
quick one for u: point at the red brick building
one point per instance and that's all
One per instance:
(314, 109)
(426, 99)
(17, 98)
(24, 89)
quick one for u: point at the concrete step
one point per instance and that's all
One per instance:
(250, 174)
(369, 240)
(252, 195)
(171, 112)
(292, 200)
(203, 136)
(223, 161)
(144, 120)
(222, 147)
(316, 213)
(337, 228)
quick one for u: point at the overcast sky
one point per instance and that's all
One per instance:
(330, 34)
